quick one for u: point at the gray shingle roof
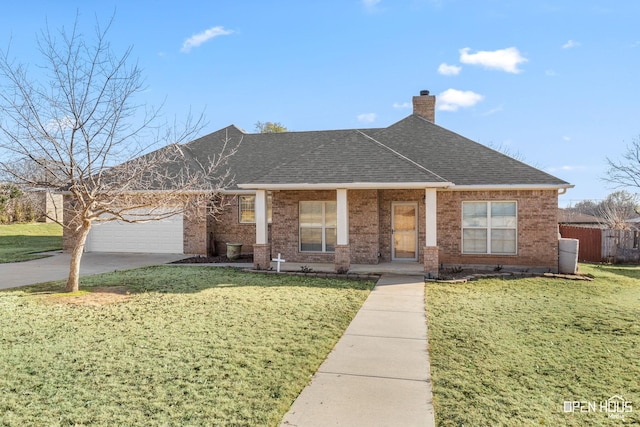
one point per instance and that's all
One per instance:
(412, 150)
(458, 159)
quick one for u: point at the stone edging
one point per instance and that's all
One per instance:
(472, 277)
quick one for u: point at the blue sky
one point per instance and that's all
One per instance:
(555, 82)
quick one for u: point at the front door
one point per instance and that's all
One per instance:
(404, 231)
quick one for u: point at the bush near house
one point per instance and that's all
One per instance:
(169, 345)
(512, 352)
(16, 205)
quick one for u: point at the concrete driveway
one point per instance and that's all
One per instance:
(56, 267)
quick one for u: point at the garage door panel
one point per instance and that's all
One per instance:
(165, 236)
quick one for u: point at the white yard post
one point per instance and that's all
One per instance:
(342, 219)
(430, 201)
(278, 261)
(262, 230)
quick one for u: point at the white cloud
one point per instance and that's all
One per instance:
(399, 106)
(449, 70)
(452, 99)
(367, 117)
(197, 39)
(502, 59)
(570, 44)
(566, 138)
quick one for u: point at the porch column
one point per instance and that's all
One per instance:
(342, 249)
(431, 263)
(262, 248)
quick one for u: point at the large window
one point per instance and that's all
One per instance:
(247, 209)
(489, 228)
(317, 226)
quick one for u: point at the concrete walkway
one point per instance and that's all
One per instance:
(56, 267)
(378, 373)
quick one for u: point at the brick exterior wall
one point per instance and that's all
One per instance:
(226, 227)
(284, 230)
(194, 230)
(364, 224)
(370, 227)
(537, 228)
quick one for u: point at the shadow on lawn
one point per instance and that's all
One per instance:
(26, 248)
(192, 279)
(631, 271)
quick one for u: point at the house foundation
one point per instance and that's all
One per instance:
(261, 256)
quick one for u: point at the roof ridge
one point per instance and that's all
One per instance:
(402, 156)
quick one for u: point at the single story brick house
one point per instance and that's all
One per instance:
(410, 192)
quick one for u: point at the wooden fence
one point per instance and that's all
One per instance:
(598, 245)
(590, 247)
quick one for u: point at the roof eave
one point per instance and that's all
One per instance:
(507, 187)
(348, 186)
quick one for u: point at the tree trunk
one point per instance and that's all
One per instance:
(73, 282)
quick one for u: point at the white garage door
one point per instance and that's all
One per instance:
(149, 237)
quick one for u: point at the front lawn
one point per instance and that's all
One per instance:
(22, 242)
(512, 352)
(168, 345)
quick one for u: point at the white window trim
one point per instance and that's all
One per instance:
(488, 228)
(269, 208)
(323, 227)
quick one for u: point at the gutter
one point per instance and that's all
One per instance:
(349, 186)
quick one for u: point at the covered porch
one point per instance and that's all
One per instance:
(402, 240)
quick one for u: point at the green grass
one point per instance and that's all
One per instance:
(510, 352)
(23, 242)
(190, 346)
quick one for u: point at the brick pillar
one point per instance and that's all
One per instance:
(261, 256)
(431, 264)
(342, 258)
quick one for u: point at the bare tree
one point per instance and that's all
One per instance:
(617, 209)
(81, 125)
(625, 172)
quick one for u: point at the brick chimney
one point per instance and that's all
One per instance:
(425, 106)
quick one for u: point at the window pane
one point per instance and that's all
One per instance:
(330, 236)
(269, 207)
(310, 214)
(247, 209)
(474, 241)
(474, 214)
(503, 214)
(503, 241)
(330, 212)
(311, 239)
